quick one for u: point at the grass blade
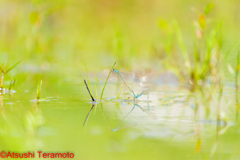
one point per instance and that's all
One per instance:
(12, 67)
(2, 69)
(208, 8)
(12, 83)
(106, 81)
(96, 91)
(88, 80)
(229, 50)
(96, 98)
(39, 90)
(181, 44)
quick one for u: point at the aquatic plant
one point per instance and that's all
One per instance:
(11, 85)
(5, 71)
(206, 48)
(96, 91)
(106, 81)
(88, 80)
(201, 60)
(89, 90)
(39, 90)
(96, 98)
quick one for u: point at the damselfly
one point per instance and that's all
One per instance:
(142, 82)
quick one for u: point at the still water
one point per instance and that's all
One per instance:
(165, 127)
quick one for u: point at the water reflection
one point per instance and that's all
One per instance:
(148, 111)
(166, 118)
(93, 105)
(18, 127)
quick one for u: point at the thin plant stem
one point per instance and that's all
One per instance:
(39, 90)
(96, 98)
(89, 91)
(88, 79)
(4, 71)
(106, 81)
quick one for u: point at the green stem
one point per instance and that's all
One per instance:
(106, 81)
(2, 77)
(88, 79)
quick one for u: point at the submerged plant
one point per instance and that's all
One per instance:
(39, 90)
(12, 83)
(5, 71)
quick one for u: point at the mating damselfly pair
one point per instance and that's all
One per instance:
(144, 86)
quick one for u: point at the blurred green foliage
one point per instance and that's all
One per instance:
(66, 32)
(55, 39)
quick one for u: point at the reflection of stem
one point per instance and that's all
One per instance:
(96, 98)
(2, 77)
(147, 111)
(87, 119)
(147, 97)
(197, 131)
(236, 81)
(1, 102)
(11, 96)
(2, 109)
(218, 119)
(118, 107)
(236, 98)
(95, 109)
(218, 134)
(88, 114)
(196, 105)
(199, 145)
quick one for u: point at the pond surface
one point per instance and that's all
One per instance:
(165, 127)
